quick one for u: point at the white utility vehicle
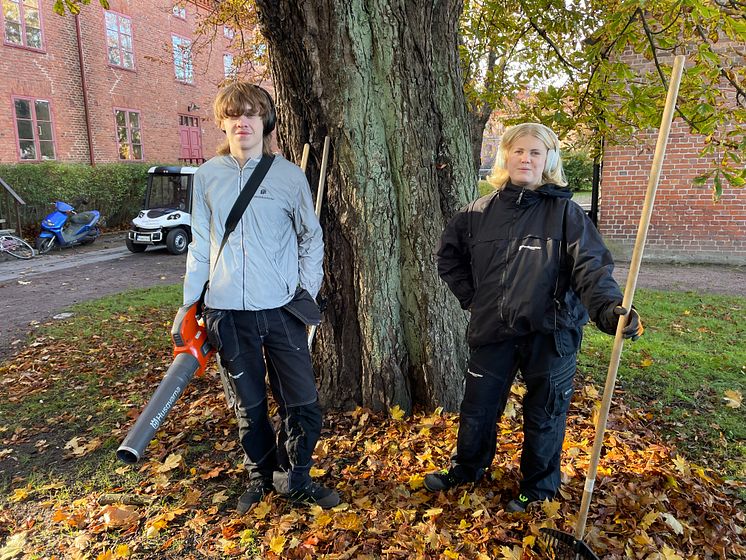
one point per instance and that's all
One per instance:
(165, 217)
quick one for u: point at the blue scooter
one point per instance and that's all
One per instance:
(65, 227)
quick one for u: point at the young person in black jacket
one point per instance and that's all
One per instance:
(530, 267)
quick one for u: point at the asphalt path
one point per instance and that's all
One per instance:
(34, 291)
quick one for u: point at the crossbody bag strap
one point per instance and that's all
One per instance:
(239, 207)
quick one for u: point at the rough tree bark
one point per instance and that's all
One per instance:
(381, 78)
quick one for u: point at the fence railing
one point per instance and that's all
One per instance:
(10, 203)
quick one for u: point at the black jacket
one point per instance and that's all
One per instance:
(523, 261)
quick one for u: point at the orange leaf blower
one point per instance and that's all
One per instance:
(191, 354)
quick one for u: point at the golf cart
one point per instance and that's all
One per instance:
(165, 217)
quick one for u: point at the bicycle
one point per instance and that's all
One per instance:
(15, 246)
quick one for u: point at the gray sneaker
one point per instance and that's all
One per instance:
(519, 504)
(442, 480)
(312, 493)
(257, 489)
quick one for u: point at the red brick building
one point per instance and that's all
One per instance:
(143, 93)
(686, 224)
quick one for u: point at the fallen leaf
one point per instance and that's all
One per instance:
(396, 412)
(733, 399)
(277, 544)
(13, 546)
(672, 522)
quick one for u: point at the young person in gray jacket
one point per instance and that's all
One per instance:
(530, 267)
(275, 248)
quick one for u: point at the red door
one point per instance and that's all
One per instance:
(190, 139)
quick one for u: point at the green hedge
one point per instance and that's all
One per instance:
(578, 170)
(116, 190)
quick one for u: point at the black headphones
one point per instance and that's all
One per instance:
(270, 119)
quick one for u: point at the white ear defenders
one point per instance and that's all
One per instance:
(552, 161)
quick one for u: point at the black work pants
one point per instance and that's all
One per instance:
(547, 363)
(253, 345)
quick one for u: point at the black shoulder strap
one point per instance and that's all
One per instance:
(247, 193)
(239, 207)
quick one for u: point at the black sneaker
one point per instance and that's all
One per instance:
(257, 489)
(519, 504)
(315, 494)
(442, 480)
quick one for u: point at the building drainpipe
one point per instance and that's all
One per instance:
(83, 85)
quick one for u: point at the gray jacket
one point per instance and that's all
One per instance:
(276, 246)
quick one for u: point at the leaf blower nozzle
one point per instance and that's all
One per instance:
(191, 354)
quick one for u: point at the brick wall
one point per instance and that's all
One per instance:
(150, 88)
(686, 225)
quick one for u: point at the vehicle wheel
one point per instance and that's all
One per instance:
(177, 241)
(135, 247)
(17, 247)
(44, 244)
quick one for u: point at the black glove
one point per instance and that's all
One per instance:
(609, 317)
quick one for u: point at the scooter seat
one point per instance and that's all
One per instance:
(82, 218)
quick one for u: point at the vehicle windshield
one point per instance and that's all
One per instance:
(169, 191)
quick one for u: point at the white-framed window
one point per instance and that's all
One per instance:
(34, 129)
(228, 32)
(22, 23)
(179, 11)
(228, 69)
(119, 40)
(183, 59)
(129, 139)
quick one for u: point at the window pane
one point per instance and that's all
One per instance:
(23, 108)
(42, 111)
(33, 37)
(120, 117)
(11, 11)
(112, 39)
(25, 130)
(45, 131)
(135, 135)
(124, 151)
(122, 134)
(125, 25)
(127, 60)
(13, 33)
(28, 150)
(114, 56)
(134, 120)
(47, 150)
(33, 4)
(136, 151)
(111, 21)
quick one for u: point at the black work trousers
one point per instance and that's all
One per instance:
(253, 346)
(547, 363)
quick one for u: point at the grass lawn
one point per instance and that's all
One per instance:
(673, 464)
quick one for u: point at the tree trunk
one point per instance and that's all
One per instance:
(381, 78)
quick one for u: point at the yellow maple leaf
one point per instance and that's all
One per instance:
(733, 399)
(507, 553)
(646, 362)
(648, 520)
(416, 481)
(448, 553)
(682, 465)
(172, 462)
(19, 494)
(108, 555)
(277, 544)
(261, 510)
(122, 551)
(550, 509)
(315, 472)
(322, 520)
(669, 554)
(432, 512)
(396, 412)
(348, 521)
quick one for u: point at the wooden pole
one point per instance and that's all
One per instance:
(629, 290)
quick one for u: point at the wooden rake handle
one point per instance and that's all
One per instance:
(629, 290)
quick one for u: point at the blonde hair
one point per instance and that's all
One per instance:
(553, 170)
(239, 98)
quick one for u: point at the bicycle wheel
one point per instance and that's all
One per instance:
(18, 247)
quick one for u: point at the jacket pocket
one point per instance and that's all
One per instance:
(304, 308)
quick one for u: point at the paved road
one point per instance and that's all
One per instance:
(33, 291)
